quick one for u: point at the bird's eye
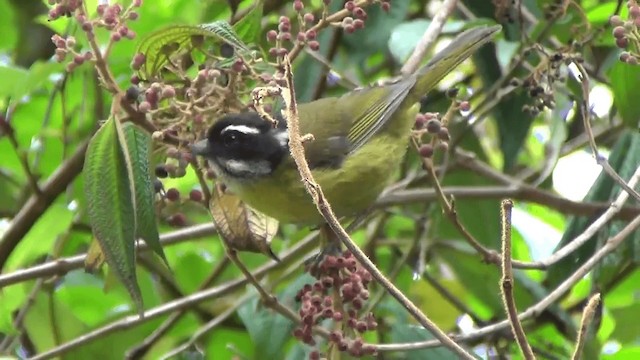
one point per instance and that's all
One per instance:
(231, 138)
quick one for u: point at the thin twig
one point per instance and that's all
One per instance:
(141, 349)
(586, 118)
(507, 282)
(429, 37)
(207, 327)
(587, 317)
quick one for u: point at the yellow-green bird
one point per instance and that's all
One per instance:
(360, 139)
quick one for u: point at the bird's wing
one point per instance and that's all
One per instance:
(375, 107)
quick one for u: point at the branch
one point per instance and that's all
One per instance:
(429, 37)
(60, 267)
(507, 282)
(587, 317)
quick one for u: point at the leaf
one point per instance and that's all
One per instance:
(624, 159)
(269, 330)
(241, 227)
(361, 44)
(160, 45)
(403, 331)
(625, 83)
(11, 76)
(405, 36)
(138, 145)
(249, 27)
(111, 207)
(18, 82)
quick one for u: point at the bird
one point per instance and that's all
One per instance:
(360, 138)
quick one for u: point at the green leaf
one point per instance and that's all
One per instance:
(159, 46)
(624, 159)
(11, 76)
(405, 37)
(270, 331)
(402, 331)
(110, 205)
(138, 145)
(625, 83)
(249, 27)
(18, 82)
(362, 44)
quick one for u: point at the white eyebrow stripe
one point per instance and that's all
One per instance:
(241, 128)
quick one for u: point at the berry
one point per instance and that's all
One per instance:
(426, 151)
(314, 45)
(195, 195)
(177, 220)
(272, 35)
(161, 171)
(173, 194)
(433, 126)
(465, 106)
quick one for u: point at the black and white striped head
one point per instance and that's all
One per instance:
(244, 146)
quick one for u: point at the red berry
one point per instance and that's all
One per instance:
(309, 18)
(173, 194)
(619, 32)
(314, 45)
(272, 35)
(178, 220)
(426, 151)
(350, 5)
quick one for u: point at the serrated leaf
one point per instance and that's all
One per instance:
(241, 227)
(160, 45)
(249, 27)
(138, 145)
(111, 207)
(625, 83)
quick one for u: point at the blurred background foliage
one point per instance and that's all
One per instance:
(539, 158)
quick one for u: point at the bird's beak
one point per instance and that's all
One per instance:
(200, 148)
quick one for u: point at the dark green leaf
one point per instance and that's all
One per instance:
(625, 83)
(138, 144)
(624, 158)
(110, 206)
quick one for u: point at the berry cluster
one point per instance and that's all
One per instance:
(540, 84)
(339, 294)
(111, 17)
(625, 33)
(306, 33)
(431, 124)
(283, 35)
(66, 47)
